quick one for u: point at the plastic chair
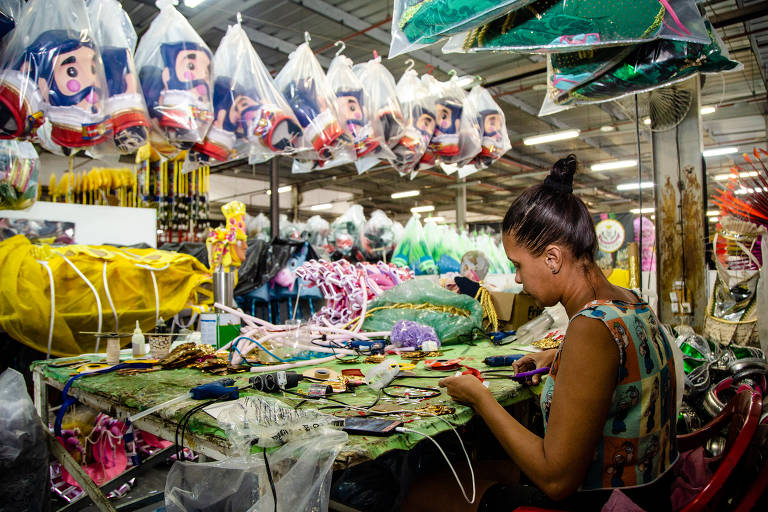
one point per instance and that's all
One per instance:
(743, 414)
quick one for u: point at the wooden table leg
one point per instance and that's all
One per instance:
(40, 389)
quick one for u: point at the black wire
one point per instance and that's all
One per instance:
(184, 421)
(271, 481)
(435, 392)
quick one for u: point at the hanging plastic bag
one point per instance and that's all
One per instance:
(9, 14)
(305, 87)
(454, 127)
(434, 90)
(418, 23)
(376, 236)
(248, 109)
(412, 250)
(646, 67)
(19, 175)
(572, 25)
(495, 141)
(116, 37)
(386, 114)
(317, 232)
(418, 109)
(51, 65)
(353, 105)
(345, 230)
(175, 71)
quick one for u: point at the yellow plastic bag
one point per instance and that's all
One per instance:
(95, 288)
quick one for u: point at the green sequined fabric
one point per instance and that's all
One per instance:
(569, 23)
(649, 65)
(428, 20)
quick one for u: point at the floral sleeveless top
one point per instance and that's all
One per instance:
(638, 443)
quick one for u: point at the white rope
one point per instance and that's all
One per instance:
(95, 294)
(53, 306)
(109, 295)
(154, 283)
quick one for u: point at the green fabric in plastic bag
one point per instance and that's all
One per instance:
(648, 66)
(451, 328)
(412, 250)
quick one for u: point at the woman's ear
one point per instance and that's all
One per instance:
(554, 258)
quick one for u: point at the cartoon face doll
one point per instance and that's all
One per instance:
(321, 129)
(446, 139)
(424, 122)
(184, 103)
(124, 103)
(351, 110)
(68, 78)
(491, 124)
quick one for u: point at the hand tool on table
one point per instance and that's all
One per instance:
(502, 360)
(211, 390)
(498, 337)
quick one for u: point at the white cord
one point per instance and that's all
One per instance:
(109, 295)
(93, 289)
(154, 283)
(469, 463)
(53, 306)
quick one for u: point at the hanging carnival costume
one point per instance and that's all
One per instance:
(116, 37)
(175, 68)
(418, 109)
(560, 25)
(305, 88)
(250, 114)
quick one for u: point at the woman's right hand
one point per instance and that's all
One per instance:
(534, 361)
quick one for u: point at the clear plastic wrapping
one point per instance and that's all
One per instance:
(305, 87)
(19, 175)
(114, 33)
(418, 109)
(52, 69)
(418, 23)
(175, 67)
(376, 235)
(573, 25)
(248, 108)
(9, 14)
(386, 114)
(611, 73)
(345, 230)
(493, 123)
(412, 250)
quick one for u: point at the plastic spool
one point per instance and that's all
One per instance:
(113, 351)
(321, 374)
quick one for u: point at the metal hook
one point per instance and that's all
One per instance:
(343, 47)
(307, 39)
(239, 18)
(410, 64)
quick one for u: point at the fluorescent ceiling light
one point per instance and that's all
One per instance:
(407, 193)
(280, 190)
(647, 121)
(607, 128)
(322, 206)
(193, 3)
(618, 164)
(747, 190)
(644, 210)
(713, 213)
(745, 174)
(435, 219)
(720, 151)
(422, 209)
(551, 137)
(709, 109)
(714, 219)
(635, 186)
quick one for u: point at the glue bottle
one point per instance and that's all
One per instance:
(137, 342)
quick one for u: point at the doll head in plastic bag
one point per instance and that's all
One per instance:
(67, 68)
(448, 124)
(187, 67)
(351, 112)
(424, 120)
(474, 265)
(125, 105)
(314, 116)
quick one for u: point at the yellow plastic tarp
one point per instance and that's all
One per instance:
(25, 292)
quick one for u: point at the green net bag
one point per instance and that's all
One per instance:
(456, 318)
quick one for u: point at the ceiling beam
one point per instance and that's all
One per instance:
(204, 20)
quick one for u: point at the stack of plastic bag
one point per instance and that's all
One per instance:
(418, 23)
(250, 114)
(52, 69)
(573, 25)
(114, 33)
(305, 87)
(19, 175)
(418, 109)
(175, 71)
(612, 73)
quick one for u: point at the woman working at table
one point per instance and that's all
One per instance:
(609, 401)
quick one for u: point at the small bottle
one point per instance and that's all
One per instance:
(137, 342)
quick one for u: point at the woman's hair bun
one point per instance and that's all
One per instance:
(561, 176)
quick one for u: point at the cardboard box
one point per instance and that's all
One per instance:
(514, 309)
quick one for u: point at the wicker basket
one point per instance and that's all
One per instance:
(743, 332)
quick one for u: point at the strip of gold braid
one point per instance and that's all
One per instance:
(658, 20)
(452, 310)
(481, 34)
(489, 312)
(470, 38)
(508, 22)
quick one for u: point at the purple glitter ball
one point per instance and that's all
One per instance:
(406, 333)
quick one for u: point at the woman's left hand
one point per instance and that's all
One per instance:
(465, 388)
